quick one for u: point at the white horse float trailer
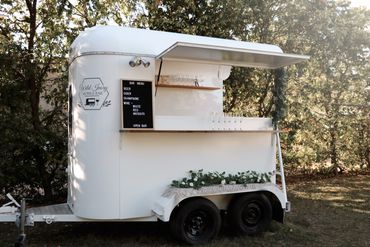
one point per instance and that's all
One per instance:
(145, 107)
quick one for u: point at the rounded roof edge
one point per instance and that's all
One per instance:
(117, 39)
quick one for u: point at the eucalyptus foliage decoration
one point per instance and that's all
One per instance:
(198, 179)
(279, 96)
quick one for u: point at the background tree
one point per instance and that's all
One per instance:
(33, 144)
(328, 106)
(35, 38)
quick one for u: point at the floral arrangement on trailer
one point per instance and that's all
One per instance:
(198, 179)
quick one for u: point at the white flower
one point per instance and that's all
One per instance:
(203, 182)
(195, 179)
(223, 182)
(191, 184)
(183, 183)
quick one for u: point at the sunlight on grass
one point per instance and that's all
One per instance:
(362, 211)
(345, 193)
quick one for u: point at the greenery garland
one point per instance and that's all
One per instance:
(198, 179)
(279, 96)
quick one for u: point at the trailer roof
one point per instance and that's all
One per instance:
(179, 47)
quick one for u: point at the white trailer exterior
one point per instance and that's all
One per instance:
(119, 170)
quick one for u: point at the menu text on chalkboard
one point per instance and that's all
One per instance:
(137, 104)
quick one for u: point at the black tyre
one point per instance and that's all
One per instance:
(196, 221)
(250, 213)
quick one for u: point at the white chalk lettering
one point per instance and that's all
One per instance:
(139, 113)
(131, 98)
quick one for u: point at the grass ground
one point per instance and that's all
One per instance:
(326, 212)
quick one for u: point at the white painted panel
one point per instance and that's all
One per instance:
(95, 172)
(150, 161)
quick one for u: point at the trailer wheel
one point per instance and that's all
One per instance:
(251, 213)
(196, 221)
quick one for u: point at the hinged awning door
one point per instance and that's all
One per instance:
(191, 52)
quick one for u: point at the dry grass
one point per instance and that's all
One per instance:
(327, 212)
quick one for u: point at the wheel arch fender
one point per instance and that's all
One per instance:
(165, 207)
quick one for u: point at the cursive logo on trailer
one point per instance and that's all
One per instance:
(93, 94)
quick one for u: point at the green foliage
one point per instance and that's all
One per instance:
(32, 106)
(35, 37)
(279, 96)
(328, 113)
(208, 18)
(198, 179)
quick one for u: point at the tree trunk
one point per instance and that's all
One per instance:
(333, 148)
(32, 82)
(34, 86)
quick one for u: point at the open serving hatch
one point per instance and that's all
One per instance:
(240, 57)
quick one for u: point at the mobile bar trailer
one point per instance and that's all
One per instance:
(145, 107)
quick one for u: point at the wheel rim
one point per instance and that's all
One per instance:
(252, 214)
(196, 224)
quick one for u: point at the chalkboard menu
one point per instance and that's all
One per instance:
(137, 104)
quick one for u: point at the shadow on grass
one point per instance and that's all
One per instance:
(138, 234)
